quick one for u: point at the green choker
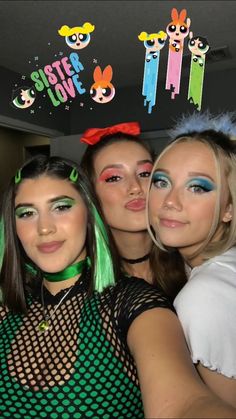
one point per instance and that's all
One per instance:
(67, 273)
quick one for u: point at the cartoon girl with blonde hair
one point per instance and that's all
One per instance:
(77, 37)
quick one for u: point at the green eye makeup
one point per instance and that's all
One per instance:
(21, 212)
(64, 203)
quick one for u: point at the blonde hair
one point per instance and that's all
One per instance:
(85, 28)
(144, 36)
(224, 152)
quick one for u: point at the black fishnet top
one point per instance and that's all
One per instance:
(81, 366)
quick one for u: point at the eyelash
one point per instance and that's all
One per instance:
(197, 188)
(116, 178)
(59, 207)
(200, 188)
(160, 182)
(25, 213)
(145, 174)
(113, 178)
(62, 206)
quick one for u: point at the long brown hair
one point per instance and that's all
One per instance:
(14, 276)
(168, 274)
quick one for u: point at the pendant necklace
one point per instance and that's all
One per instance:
(44, 324)
(67, 273)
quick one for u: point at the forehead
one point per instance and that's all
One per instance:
(188, 156)
(44, 187)
(121, 151)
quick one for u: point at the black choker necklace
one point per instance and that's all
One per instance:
(139, 260)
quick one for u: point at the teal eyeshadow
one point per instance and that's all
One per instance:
(159, 175)
(204, 183)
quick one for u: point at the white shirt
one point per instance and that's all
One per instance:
(206, 307)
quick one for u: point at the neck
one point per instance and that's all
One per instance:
(67, 273)
(134, 245)
(55, 287)
(66, 278)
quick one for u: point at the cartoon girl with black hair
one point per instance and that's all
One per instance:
(23, 97)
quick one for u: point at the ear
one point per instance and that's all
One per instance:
(107, 73)
(228, 214)
(97, 74)
(174, 14)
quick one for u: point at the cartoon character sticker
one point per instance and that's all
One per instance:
(23, 97)
(198, 47)
(177, 30)
(102, 90)
(77, 37)
(153, 43)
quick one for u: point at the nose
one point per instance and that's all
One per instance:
(46, 225)
(135, 187)
(173, 200)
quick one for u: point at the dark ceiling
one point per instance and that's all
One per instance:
(30, 40)
(27, 27)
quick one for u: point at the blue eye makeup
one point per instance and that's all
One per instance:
(201, 185)
(161, 180)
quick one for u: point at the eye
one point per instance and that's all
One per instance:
(171, 28)
(149, 43)
(70, 40)
(31, 93)
(160, 181)
(198, 189)
(62, 206)
(203, 47)
(25, 212)
(161, 41)
(84, 37)
(183, 29)
(93, 92)
(200, 186)
(19, 101)
(106, 91)
(191, 43)
(145, 174)
(113, 178)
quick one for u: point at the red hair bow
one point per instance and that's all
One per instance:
(93, 135)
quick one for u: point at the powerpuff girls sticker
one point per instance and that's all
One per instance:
(23, 97)
(77, 37)
(198, 47)
(60, 80)
(177, 31)
(153, 43)
(102, 90)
